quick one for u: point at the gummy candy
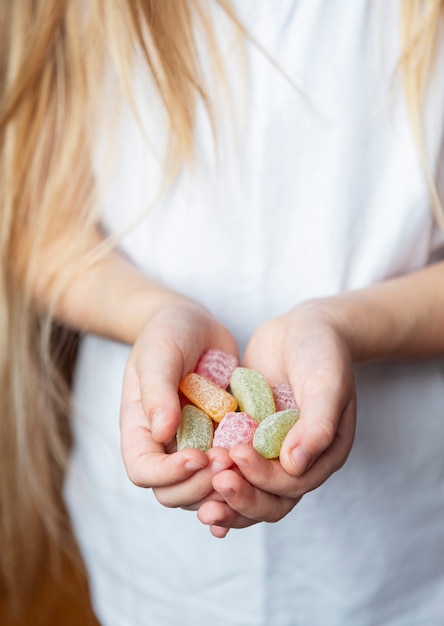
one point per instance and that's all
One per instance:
(217, 366)
(195, 430)
(234, 428)
(253, 393)
(284, 397)
(253, 413)
(272, 431)
(208, 396)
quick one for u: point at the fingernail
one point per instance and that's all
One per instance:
(301, 458)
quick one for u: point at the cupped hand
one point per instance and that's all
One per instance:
(306, 348)
(168, 347)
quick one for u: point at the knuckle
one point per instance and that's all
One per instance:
(326, 433)
(165, 499)
(338, 462)
(296, 494)
(282, 508)
(275, 517)
(136, 477)
(136, 480)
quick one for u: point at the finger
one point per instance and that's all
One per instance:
(152, 470)
(316, 428)
(194, 490)
(161, 368)
(219, 515)
(272, 475)
(162, 363)
(188, 495)
(194, 506)
(266, 474)
(145, 460)
(334, 457)
(219, 532)
(250, 502)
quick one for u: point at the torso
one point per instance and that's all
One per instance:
(322, 193)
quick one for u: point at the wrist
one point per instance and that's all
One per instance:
(112, 298)
(367, 328)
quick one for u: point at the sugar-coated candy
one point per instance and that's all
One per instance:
(253, 393)
(217, 366)
(234, 428)
(284, 397)
(195, 430)
(208, 396)
(271, 432)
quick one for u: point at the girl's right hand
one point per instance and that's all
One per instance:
(168, 347)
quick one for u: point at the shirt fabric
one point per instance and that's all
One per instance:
(317, 189)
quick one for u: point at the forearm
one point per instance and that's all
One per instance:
(105, 295)
(114, 299)
(398, 318)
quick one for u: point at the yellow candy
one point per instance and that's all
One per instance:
(208, 396)
(195, 430)
(271, 432)
(253, 393)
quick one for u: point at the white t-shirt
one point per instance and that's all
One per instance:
(319, 191)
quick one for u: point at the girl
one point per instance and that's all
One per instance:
(259, 177)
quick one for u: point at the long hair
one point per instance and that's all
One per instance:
(52, 59)
(420, 28)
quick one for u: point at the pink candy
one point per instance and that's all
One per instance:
(235, 428)
(284, 397)
(217, 366)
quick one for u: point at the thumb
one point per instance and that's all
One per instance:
(152, 398)
(313, 433)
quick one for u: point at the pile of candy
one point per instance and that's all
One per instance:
(232, 405)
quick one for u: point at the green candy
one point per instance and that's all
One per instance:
(253, 393)
(195, 430)
(271, 432)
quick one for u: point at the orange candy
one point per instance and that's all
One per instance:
(215, 401)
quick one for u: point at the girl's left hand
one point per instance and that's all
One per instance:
(307, 349)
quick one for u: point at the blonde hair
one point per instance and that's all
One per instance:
(421, 23)
(52, 59)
